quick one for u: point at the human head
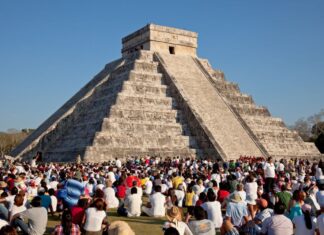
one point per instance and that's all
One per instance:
(36, 202)
(19, 200)
(157, 188)
(262, 204)
(211, 195)
(51, 192)
(199, 213)
(66, 221)
(8, 230)
(99, 193)
(109, 183)
(134, 190)
(99, 204)
(83, 202)
(14, 191)
(279, 209)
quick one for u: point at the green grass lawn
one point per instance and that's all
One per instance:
(141, 225)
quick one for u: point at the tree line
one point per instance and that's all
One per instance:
(311, 129)
(10, 139)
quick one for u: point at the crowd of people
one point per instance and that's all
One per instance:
(245, 196)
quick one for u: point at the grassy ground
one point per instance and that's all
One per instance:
(142, 225)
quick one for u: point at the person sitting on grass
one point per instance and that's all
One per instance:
(37, 218)
(95, 217)
(175, 220)
(66, 227)
(133, 203)
(156, 205)
(202, 225)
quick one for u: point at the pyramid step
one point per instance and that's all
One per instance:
(140, 54)
(154, 115)
(226, 86)
(239, 99)
(251, 109)
(138, 101)
(145, 55)
(148, 127)
(146, 90)
(146, 140)
(282, 133)
(263, 121)
(153, 78)
(137, 65)
(102, 154)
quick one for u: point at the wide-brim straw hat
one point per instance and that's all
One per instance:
(174, 213)
(120, 228)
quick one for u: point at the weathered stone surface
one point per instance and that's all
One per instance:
(153, 103)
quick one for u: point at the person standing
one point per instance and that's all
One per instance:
(269, 175)
(213, 209)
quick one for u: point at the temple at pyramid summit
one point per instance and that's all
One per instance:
(160, 99)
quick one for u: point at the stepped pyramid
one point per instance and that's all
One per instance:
(160, 99)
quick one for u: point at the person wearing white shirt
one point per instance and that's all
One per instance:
(18, 206)
(180, 195)
(213, 209)
(148, 187)
(118, 163)
(51, 193)
(305, 224)
(139, 189)
(251, 188)
(156, 207)
(111, 176)
(95, 216)
(110, 195)
(133, 203)
(269, 174)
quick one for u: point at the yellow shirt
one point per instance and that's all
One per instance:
(176, 181)
(189, 198)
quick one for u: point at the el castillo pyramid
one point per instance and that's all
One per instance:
(160, 99)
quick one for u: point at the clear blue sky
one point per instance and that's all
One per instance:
(50, 49)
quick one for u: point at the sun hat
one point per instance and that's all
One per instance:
(236, 198)
(173, 214)
(120, 228)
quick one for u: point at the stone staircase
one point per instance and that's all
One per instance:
(271, 132)
(131, 114)
(214, 124)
